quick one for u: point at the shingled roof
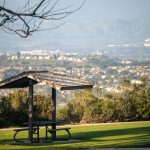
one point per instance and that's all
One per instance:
(57, 80)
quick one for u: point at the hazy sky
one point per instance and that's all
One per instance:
(102, 9)
(113, 9)
(92, 10)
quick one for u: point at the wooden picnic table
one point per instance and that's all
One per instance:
(46, 124)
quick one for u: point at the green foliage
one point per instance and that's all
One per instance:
(14, 108)
(132, 104)
(42, 107)
(141, 95)
(84, 107)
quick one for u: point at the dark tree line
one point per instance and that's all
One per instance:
(132, 104)
(14, 108)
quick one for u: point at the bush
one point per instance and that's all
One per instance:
(14, 108)
(132, 104)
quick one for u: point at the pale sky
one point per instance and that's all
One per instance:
(102, 9)
(114, 9)
(92, 10)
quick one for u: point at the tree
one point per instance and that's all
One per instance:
(14, 108)
(29, 18)
(126, 84)
(84, 107)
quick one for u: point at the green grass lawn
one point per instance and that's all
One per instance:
(136, 134)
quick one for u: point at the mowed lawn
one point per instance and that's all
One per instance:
(113, 135)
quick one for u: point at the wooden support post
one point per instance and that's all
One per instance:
(54, 113)
(30, 111)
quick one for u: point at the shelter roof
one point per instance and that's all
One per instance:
(57, 80)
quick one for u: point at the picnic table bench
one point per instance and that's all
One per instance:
(36, 127)
(51, 131)
(35, 130)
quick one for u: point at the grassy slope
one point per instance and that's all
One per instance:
(91, 136)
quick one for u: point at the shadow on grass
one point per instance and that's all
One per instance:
(132, 137)
(116, 132)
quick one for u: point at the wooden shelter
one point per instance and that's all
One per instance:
(56, 80)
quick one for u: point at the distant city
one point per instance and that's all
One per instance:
(105, 72)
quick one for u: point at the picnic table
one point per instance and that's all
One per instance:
(46, 124)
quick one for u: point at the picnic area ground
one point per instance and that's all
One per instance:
(87, 136)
